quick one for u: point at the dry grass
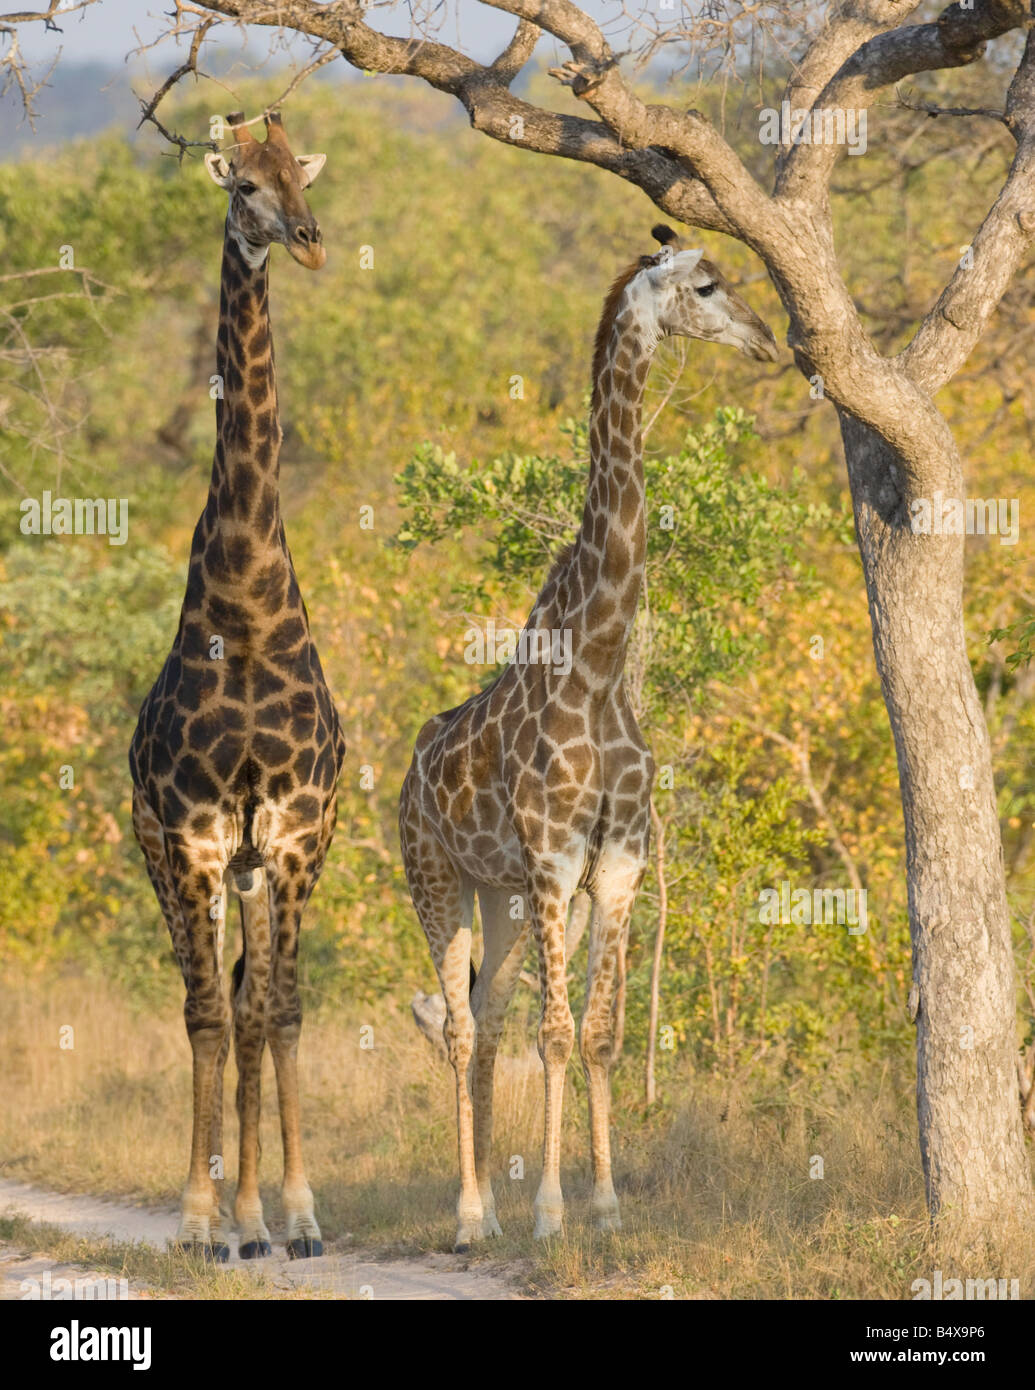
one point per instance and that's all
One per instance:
(149, 1272)
(716, 1193)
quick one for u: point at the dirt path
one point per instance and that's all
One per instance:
(351, 1275)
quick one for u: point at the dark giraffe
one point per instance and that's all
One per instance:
(238, 748)
(540, 784)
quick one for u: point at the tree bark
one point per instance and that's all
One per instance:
(963, 999)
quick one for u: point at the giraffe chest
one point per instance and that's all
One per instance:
(549, 784)
(255, 741)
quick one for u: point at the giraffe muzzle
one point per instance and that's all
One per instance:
(305, 244)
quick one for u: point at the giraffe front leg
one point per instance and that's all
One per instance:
(187, 896)
(207, 1016)
(251, 986)
(598, 1041)
(303, 1237)
(556, 1040)
(219, 1230)
(288, 895)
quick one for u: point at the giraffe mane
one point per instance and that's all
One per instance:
(560, 564)
(553, 596)
(607, 319)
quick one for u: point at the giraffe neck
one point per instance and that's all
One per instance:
(244, 494)
(610, 550)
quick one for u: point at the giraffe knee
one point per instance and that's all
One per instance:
(206, 1011)
(207, 1037)
(284, 1027)
(458, 1033)
(595, 1044)
(557, 1038)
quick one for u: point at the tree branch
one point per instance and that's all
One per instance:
(950, 331)
(13, 65)
(957, 37)
(189, 66)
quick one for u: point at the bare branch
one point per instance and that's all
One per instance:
(847, 28)
(189, 66)
(957, 37)
(13, 65)
(950, 331)
(928, 108)
(485, 94)
(33, 368)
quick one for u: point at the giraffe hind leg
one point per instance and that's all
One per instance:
(288, 892)
(505, 942)
(444, 902)
(602, 1018)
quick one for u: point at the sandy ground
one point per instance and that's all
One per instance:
(433, 1277)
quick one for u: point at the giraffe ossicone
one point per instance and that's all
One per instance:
(539, 785)
(238, 747)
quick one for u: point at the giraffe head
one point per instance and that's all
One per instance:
(266, 184)
(686, 296)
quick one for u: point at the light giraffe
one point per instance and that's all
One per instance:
(238, 748)
(540, 784)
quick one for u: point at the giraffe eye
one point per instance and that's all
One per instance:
(246, 188)
(705, 290)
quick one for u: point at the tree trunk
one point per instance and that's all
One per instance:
(976, 1168)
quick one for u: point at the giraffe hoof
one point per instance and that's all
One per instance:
(217, 1252)
(255, 1250)
(462, 1247)
(304, 1248)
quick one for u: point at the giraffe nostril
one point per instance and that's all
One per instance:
(308, 236)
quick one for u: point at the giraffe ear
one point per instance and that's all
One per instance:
(310, 164)
(218, 169)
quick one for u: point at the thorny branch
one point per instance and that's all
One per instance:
(189, 66)
(13, 64)
(26, 363)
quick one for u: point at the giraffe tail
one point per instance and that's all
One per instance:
(474, 976)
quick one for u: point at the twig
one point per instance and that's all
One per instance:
(659, 949)
(149, 107)
(928, 108)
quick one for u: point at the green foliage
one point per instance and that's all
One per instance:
(1023, 633)
(733, 985)
(97, 631)
(82, 638)
(492, 263)
(716, 535)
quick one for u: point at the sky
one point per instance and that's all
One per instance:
(105, 65)
(105, 31)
